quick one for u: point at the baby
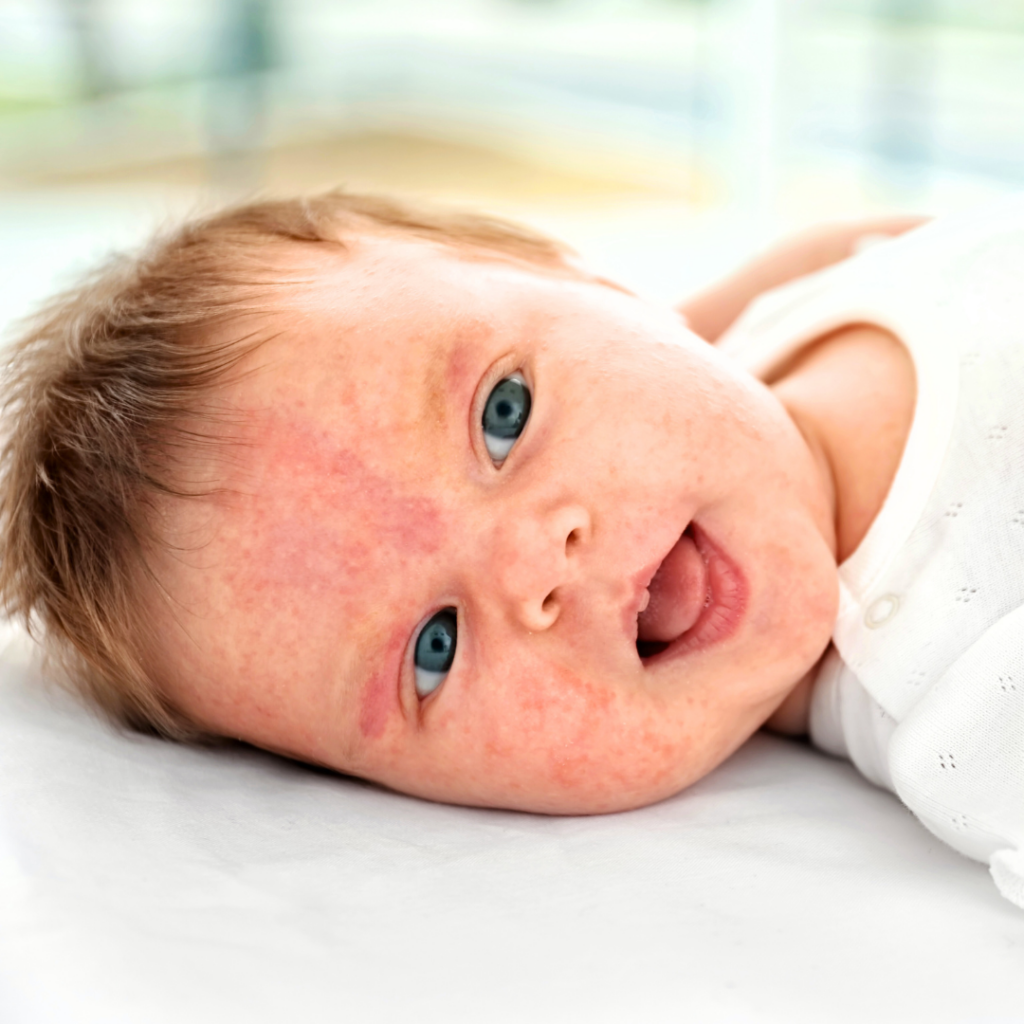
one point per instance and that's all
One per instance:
(409, 495)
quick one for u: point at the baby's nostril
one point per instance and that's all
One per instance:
(549, 602)
(572, 539)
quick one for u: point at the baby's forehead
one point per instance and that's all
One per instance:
(352, 328)
(387, 273)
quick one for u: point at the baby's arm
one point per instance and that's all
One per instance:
(713, 309)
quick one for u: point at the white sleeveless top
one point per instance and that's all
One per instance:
(924, 687)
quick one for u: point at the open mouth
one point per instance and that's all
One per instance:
(696, 598)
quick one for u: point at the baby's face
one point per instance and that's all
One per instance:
(461, 489)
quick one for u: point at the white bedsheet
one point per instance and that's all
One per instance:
(145, 882)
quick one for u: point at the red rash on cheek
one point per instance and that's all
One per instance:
(379, 692)
(373, 715)
(577, 740)
(566, 714)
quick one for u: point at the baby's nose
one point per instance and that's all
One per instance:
(537, 558)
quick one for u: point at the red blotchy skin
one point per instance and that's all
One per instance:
(378, 696)
(301, 549)
(291, 565)
(311, 474)
(593, 725)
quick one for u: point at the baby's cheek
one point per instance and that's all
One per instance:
(562, 743)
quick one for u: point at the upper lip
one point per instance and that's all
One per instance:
(639, 594)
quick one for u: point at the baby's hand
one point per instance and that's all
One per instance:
(712, 310)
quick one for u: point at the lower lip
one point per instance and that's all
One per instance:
(723, 609)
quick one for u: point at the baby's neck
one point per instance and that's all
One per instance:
(852, 395)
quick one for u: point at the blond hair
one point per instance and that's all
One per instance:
(101, 392)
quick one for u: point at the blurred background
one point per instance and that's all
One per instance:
(663, 138)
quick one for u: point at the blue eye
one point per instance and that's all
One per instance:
(435, 651)
(505, 416)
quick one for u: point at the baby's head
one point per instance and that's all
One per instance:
(404, 494)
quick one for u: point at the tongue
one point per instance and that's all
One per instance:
(678, 593)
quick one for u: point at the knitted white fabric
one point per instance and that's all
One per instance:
(924, 690)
